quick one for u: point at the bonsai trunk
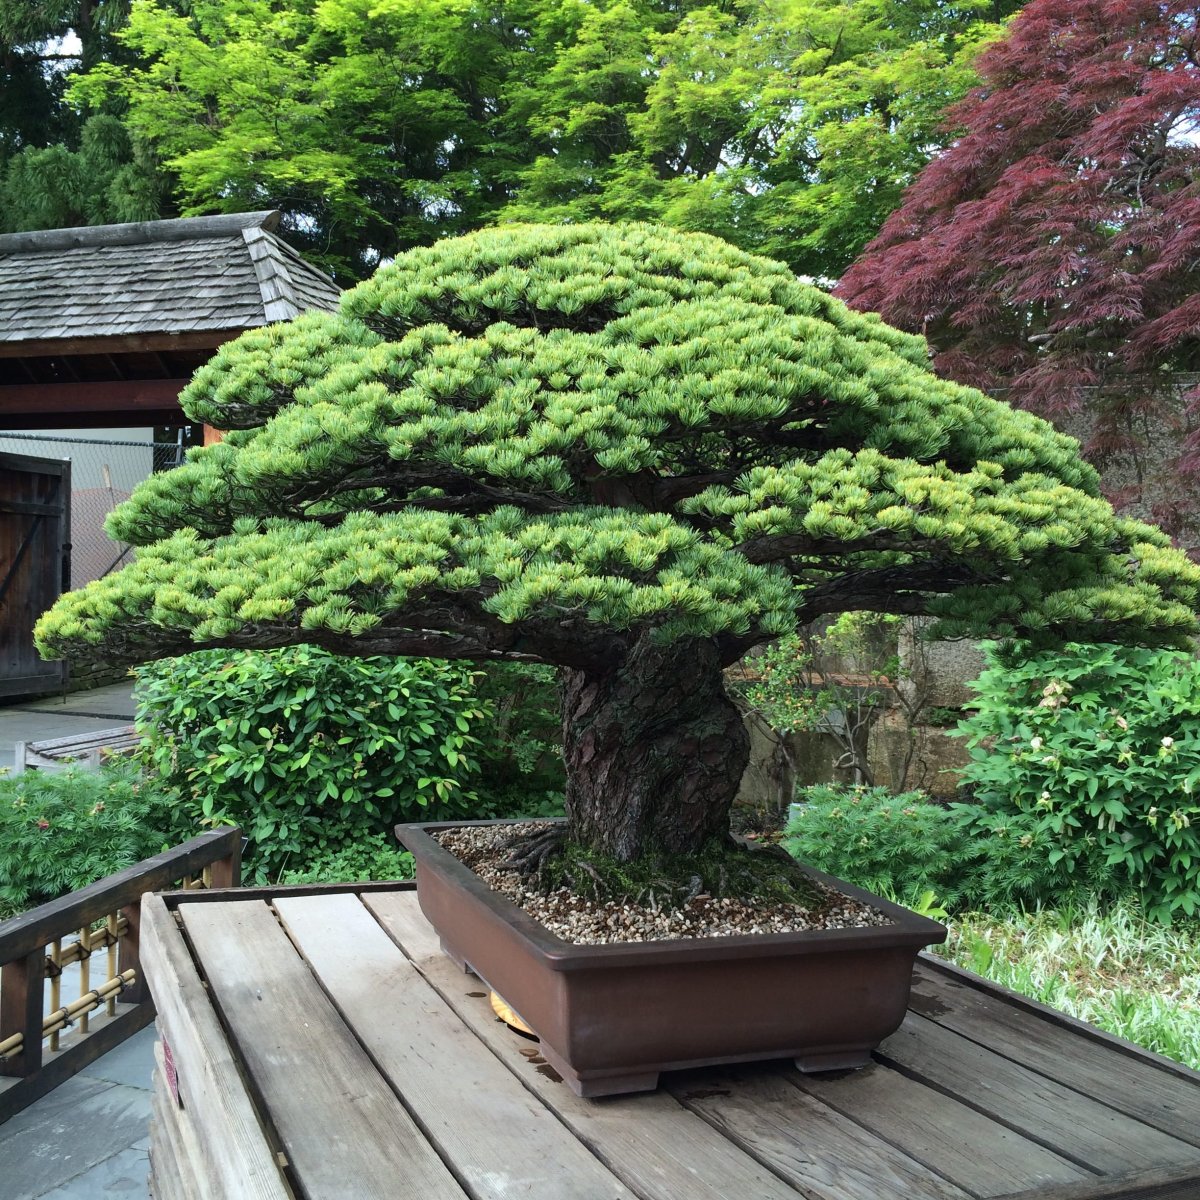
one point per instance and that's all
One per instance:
(654, 750)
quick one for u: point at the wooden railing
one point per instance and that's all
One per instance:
(100, 920)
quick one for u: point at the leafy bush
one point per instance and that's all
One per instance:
(909, 849)
(375, 856)
(61, 831)
(310, 751)
(1087, 760)
(520, 746)
(898, 845)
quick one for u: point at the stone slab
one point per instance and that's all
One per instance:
(124, 1176)
(76, 1127)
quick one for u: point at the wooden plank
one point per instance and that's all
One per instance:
(973, 1151)
(1133, 1084)
(173, 1141)
(238, 1158)
(930, 966)
(121, 343)
(343, 1130)
(96, 739)
(660, 1149)
(817, 1150)
(130, 395)
(1075, 1126)
(1166, 1184)
(29, 508)
(87, 748)
(35, 929)
(466, 1101)
(216, 895)
(21, 988)
(165, 1182)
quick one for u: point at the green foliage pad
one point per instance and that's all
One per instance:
(546, 443)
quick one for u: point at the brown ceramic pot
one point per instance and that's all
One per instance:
(610, 1018)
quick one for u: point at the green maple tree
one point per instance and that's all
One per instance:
(788, 127)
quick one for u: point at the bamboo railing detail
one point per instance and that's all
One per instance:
(100, 922)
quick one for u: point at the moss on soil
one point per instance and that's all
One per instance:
(721, 869)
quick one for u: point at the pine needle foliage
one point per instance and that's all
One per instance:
(61, 830)
(545, 443)
(628, 452)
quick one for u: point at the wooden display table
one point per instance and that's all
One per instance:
(316, 1043)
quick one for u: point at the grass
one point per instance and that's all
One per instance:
(1105, 965)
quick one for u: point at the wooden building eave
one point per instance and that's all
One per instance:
(200, 339)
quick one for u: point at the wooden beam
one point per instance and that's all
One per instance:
(115, 366)
(136, 233)
(118, 418)
(195, 339)
(52, 401)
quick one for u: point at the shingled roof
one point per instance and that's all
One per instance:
(154, 277)
(104, 325)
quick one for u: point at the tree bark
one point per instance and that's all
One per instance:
(654, 751)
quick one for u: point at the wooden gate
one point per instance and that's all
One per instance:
(35, 566)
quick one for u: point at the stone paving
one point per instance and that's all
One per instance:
(88, 1138)
(62, 716)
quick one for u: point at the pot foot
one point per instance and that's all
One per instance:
(841, 1060)
(460, 963)
(616, 1083)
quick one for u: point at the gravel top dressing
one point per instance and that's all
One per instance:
(592, 923)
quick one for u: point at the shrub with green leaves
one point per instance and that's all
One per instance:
(901, 845)
(61, 831)
(907, 847)
(308, 751)
(520, 745)
(1088, 760)
(375, 856)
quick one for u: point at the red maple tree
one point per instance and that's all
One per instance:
(1053, 251)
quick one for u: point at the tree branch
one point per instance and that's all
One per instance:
(905, 590)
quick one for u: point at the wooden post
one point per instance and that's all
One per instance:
(227, 872)
(21, 983)
(129, 956)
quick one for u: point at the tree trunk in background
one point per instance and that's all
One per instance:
(654, 751)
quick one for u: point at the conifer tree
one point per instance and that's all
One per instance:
(631, 453)
(59, 167)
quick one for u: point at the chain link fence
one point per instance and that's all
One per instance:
(104, 470)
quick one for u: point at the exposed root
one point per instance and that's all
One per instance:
(544, 859)
(529, 853)
(591, 873)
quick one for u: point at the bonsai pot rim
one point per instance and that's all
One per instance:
(907, 928)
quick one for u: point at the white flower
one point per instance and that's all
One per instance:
(1168, 743)
(1036, 743)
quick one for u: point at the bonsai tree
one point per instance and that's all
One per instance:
(632, 453)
